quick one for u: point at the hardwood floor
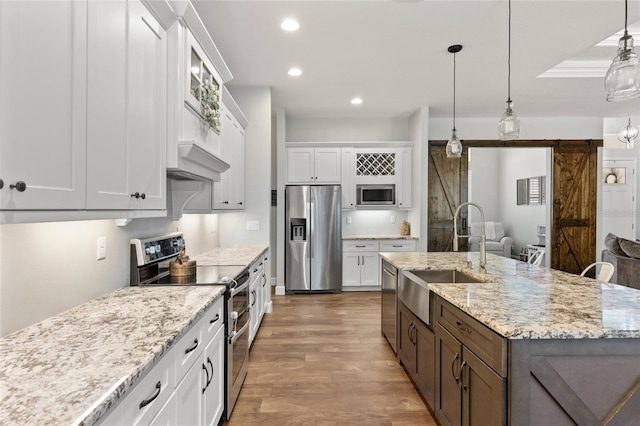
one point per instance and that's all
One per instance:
(320, 359)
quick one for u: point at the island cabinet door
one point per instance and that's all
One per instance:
(425, 362)
(406, 347)
(448, 361)
(483, 392)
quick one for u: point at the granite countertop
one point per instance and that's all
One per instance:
(230, 256)
(522, 301)
(72, 367)
(378, 237)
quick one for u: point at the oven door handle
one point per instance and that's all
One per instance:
(237, 290)
(237, 334)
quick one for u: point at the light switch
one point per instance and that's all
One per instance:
(348, 220)
(393, 219)
(102, 248)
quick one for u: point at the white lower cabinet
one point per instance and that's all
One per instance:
(186, 386)
(259, 296)
(360, 266)
(146, 399)
(361, 261)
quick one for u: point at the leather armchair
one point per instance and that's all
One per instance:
(500, 244)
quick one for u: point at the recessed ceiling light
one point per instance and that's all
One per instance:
(290, 25)
(294, 72)
(356, 101)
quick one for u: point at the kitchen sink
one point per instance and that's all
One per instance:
(413, 288)
(445, 276)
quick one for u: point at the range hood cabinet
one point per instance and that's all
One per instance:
(195, 163)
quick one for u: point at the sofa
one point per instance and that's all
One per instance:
(625, 256)
(498, 244)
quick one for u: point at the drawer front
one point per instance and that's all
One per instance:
(213, 320)
(398, 245)
(484, 342)
(188, 349)
(360, 245)
(146, 399)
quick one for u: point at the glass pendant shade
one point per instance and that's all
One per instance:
(509, 124)
(622, 81)
(628, 134)
(454, 147)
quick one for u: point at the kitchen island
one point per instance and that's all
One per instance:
(550, 347)
(73, 367)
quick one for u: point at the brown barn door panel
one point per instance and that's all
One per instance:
(447, 190)
(574, 206)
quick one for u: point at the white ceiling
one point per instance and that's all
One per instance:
(393, 54)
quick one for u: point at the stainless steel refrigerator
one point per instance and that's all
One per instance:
(313, 240)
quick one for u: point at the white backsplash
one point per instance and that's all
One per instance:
(372, 222)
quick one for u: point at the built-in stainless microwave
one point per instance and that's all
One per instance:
(376, 195)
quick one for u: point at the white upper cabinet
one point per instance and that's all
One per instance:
(126, 136)
(348, 183)
(314, 165)
(228, 194)
(43, 104)
(405, 188)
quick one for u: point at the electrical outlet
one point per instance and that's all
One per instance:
(253, 225)
(102, 248)
(348, 220)
(393, 219)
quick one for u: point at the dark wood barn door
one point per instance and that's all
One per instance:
(447, 190)
(574, 206)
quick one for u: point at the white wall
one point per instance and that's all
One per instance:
(255, 103)
(484, 180)
(521, 221)
(346, 129)
(48, 268)
(419, 134)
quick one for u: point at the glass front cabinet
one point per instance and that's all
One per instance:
(203, 87)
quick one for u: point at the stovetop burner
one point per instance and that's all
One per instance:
(150, 258)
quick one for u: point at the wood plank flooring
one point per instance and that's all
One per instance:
(319, 359)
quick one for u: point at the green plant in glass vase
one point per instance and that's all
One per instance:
(210, 106)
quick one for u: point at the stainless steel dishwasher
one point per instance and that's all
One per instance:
(389, 302)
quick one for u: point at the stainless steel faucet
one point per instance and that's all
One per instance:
(483, 243)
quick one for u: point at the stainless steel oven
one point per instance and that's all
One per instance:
(237, 327)
(150, 259)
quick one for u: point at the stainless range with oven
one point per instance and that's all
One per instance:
(150, 259)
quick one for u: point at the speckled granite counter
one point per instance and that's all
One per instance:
(522, 301)
(378, 237)
(228, 256)
(72, 367)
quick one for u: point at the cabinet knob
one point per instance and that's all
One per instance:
(19, 186)
(1, 184)
(240, 203)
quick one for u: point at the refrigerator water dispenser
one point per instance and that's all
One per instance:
(298, 229)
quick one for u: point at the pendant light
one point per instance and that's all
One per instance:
(628, 134)
(622, 81)
(454, 147)
(509, 125)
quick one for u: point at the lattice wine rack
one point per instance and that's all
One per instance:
(376, 164)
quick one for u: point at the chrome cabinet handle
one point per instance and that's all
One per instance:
(255, 296)
(358, 260)
(153, 397)
(192, 348)
(462, 385)
(361, 246)
(453, 372)
(215, 319)
(363, 260)
(19, 186)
